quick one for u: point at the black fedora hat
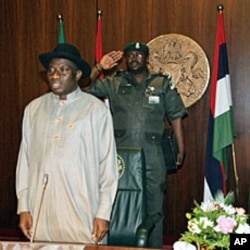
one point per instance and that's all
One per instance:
(67, 51)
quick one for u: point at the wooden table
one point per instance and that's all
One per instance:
(17, 245)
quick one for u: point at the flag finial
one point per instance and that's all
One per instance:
(60, 17)
(220, 8)
(99, 13)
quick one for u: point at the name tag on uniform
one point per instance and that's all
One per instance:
(153, 99)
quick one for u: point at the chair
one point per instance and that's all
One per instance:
(129, 225)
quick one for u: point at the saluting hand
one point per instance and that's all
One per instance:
(111, 59)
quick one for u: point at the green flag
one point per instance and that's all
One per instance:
(61, 38)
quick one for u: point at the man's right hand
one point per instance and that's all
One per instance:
(25, 224)
(111, 60)
(108, 61)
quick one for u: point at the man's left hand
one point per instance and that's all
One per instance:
(100, 228)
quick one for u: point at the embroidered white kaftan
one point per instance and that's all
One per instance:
(72, 142)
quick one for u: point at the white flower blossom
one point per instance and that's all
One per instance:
(205, 222)
(243, 229)
(193, 226)
(207, 206)
(229, 209)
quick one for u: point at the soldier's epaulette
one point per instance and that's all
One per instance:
(166, 76)
(120, 72)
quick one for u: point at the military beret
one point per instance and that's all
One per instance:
(137, 46)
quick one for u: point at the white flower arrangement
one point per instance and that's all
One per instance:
(211, 223)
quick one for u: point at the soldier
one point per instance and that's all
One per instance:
(139, 103)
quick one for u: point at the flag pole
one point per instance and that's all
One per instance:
(236, 177)
(220, 9)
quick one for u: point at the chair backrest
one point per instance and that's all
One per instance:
(129, 208)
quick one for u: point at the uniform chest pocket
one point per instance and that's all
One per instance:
(125, 90)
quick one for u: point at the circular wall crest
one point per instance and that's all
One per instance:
(185, 61)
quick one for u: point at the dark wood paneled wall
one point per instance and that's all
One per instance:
(29, 27)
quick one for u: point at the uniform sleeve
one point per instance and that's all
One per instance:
(174, 106)
(100, 87)
(108, 177)
(22, 170)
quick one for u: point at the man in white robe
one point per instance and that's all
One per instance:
(66, 176)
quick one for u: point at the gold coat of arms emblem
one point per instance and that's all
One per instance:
(183, 59)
